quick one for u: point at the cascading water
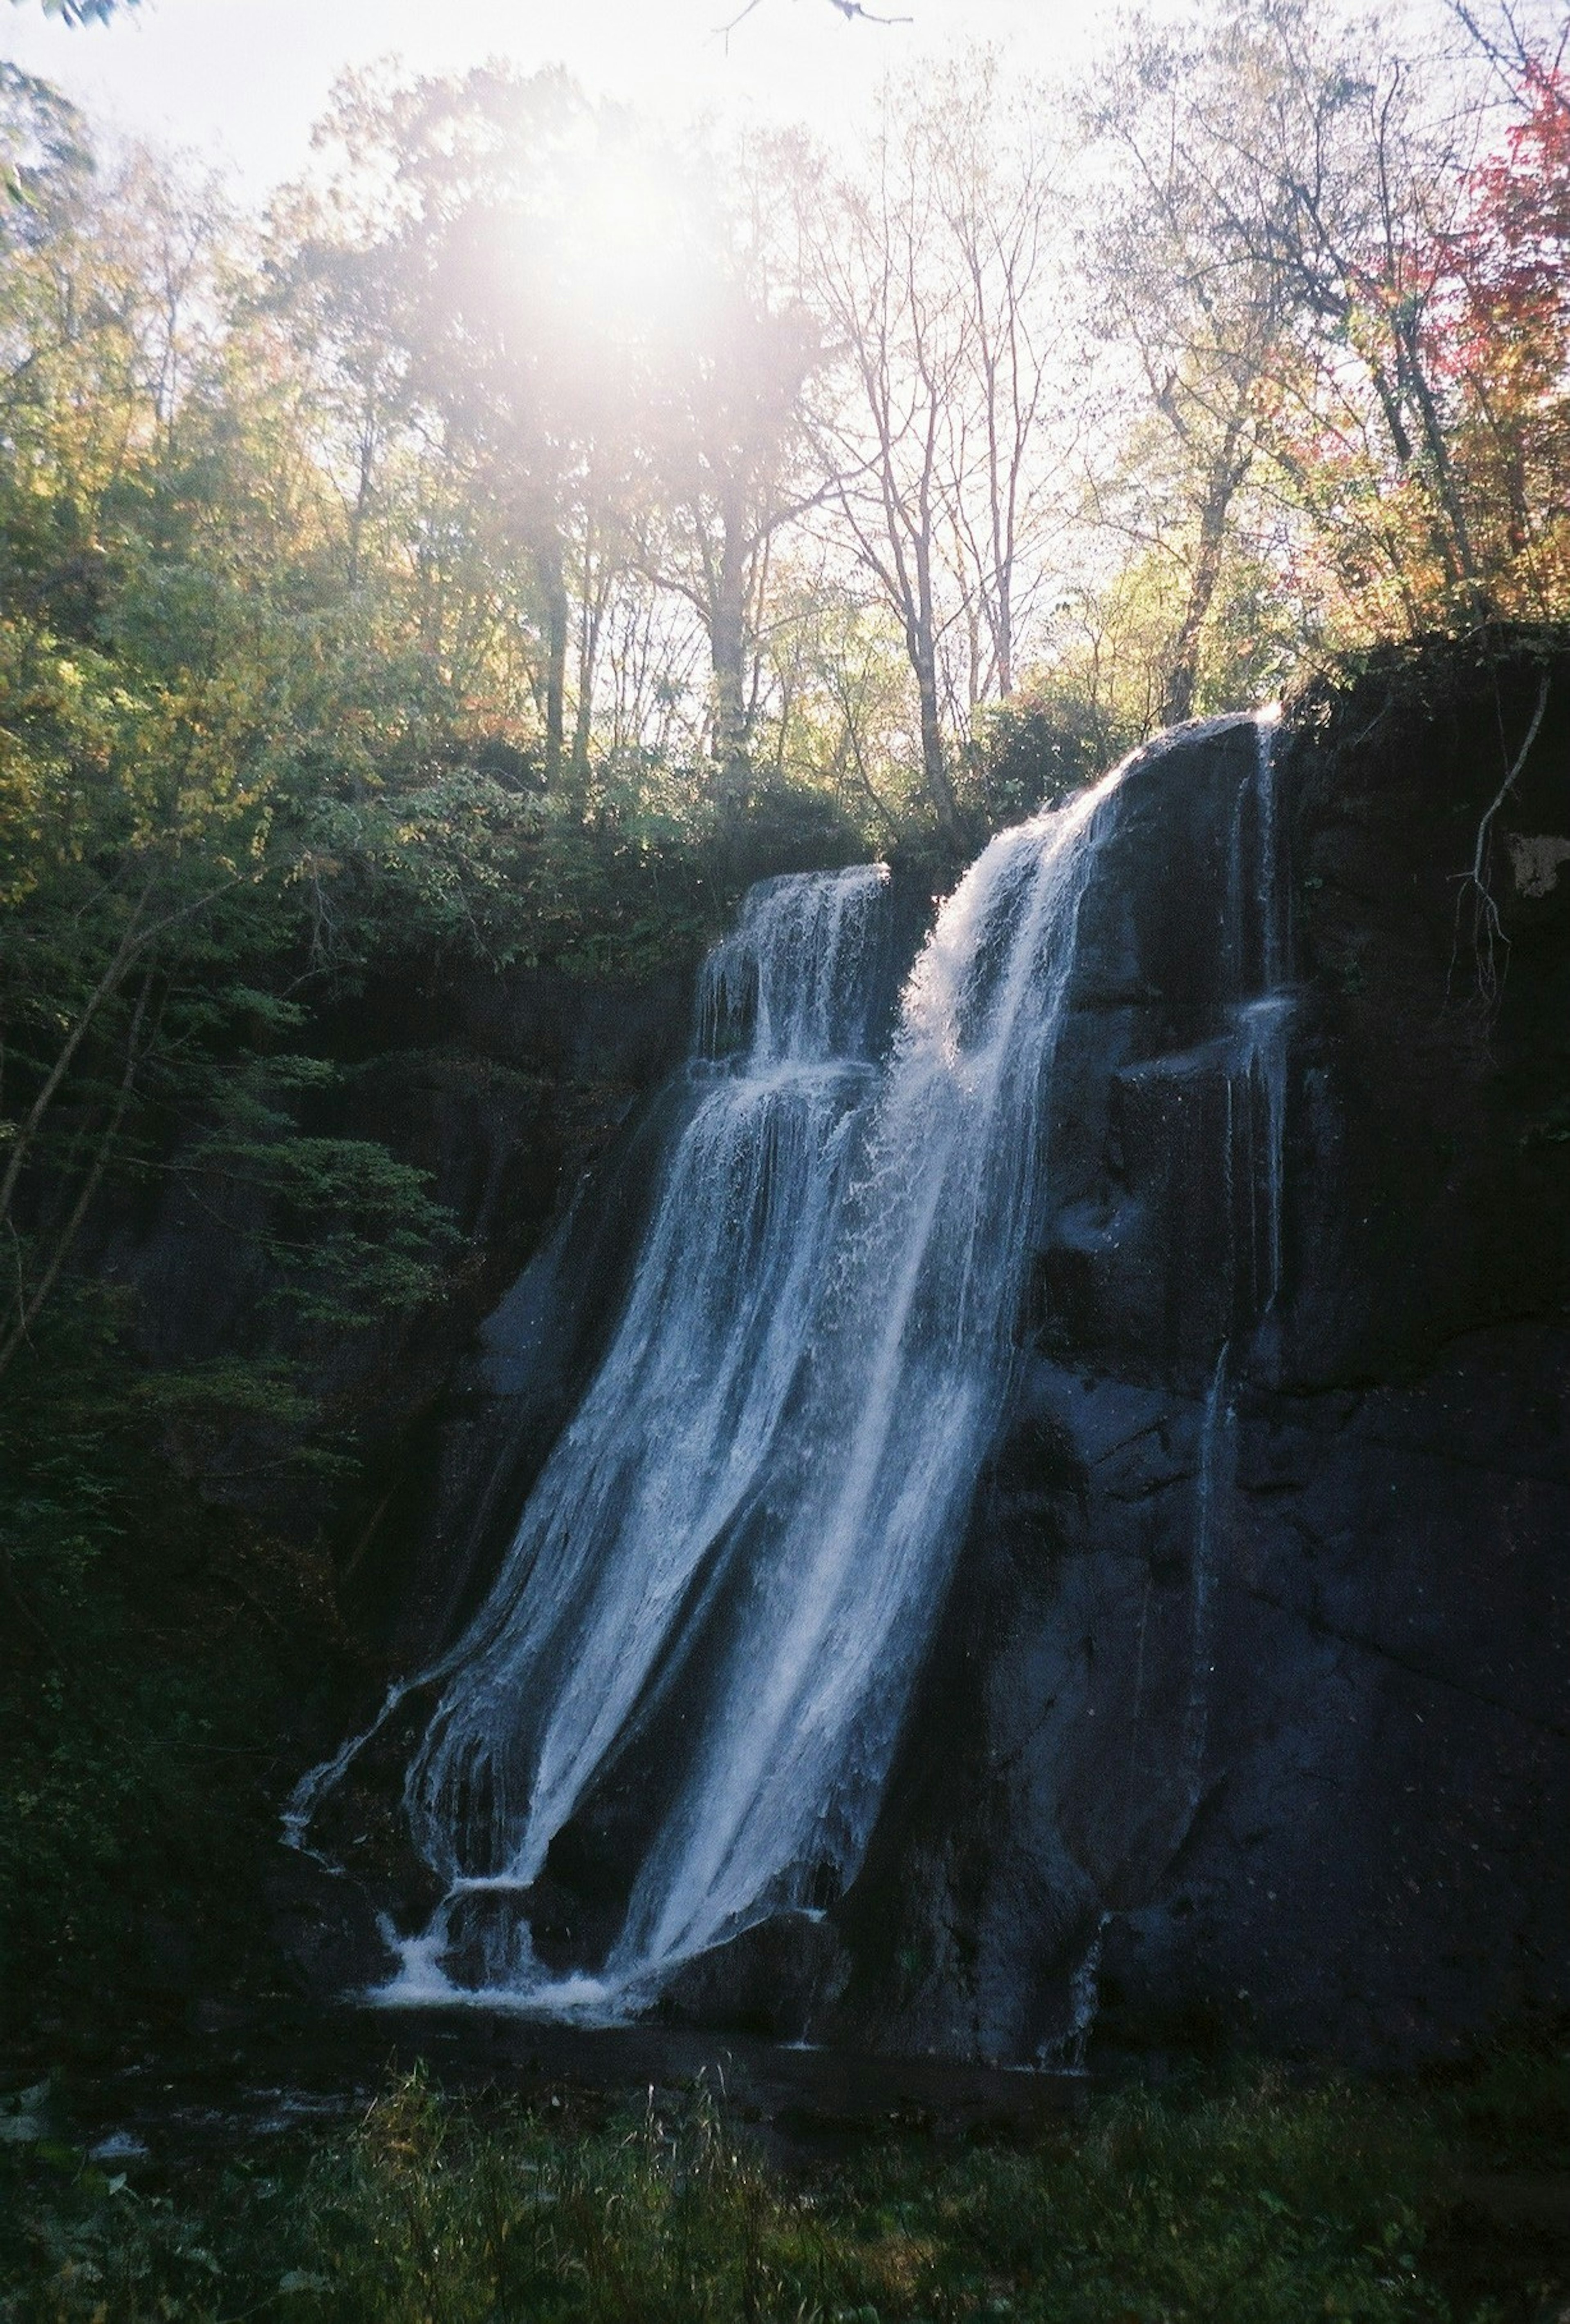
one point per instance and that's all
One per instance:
(737, 1551)
(1254, 1162)
(851, 1541)
(627, 1529)
(768, 1476)
(1213, 1481)
(1266, 1020)
(1257, 952)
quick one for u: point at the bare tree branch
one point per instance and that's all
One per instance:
(849, 9)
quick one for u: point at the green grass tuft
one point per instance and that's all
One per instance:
(1247, 2203)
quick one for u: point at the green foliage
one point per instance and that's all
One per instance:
(1254, 2205)
(1512, 2108)
(344, 1230)
(147, 1648)
(1034, 751)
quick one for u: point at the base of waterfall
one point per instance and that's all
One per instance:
(774, 1979)
(528, 2170)
(420, 1982)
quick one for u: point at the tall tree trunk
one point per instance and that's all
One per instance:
(1227, 473)
(361, 509)
(1410, 342)
(728, 658)
(921, 638)
(591, 614)
(553, 589)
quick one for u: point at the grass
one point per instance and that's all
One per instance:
(1253, 2203)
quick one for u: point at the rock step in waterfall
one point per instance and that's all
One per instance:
(722, 1585)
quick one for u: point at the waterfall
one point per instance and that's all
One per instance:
(852, 1542)
(627, 1529)
(753, 1512)
(1254, 1161)
(1212, 1485)
(1267, 1020)
(1258, 951)
(702, 1642)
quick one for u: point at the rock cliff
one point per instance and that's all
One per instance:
(1246, 1721)
(1249, 1718)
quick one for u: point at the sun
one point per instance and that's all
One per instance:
(637, 249)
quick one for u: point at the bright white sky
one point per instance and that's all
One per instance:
(241, 81)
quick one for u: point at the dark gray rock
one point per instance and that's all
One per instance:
(775, 1979)
(324, 1927)
(1248, 1717)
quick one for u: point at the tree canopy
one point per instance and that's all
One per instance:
(534, 518)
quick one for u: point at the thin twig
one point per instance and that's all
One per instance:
(30, 1313)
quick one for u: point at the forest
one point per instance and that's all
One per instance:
(484, 560)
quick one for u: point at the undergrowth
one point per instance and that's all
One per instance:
(1250, 2204)
(148, 1647)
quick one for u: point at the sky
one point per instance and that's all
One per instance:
(241, 81)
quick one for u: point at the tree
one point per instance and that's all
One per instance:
(1339, 176)
(188, 808)
(853, 11)
(1338, 374)
(1504, 351)
(934, 268)
(84, 12)
(446, 224)
(722, 429)
(1194, 311)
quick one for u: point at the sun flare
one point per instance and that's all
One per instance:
(636, 253)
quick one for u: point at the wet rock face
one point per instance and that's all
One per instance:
(1248, 1717)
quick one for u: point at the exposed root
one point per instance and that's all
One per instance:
(1487, 929)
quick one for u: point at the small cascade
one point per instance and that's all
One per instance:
(1068, 2053)
(1254, 1165)
(1213, 1486)
(1267, 1020)
(625, 1533)
(1261, 1035)
(1275, 963)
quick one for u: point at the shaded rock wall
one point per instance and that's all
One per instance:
(1249, 1717)
(503, 1090)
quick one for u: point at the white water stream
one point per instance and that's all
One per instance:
(767, 1482)
(777, 1454)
